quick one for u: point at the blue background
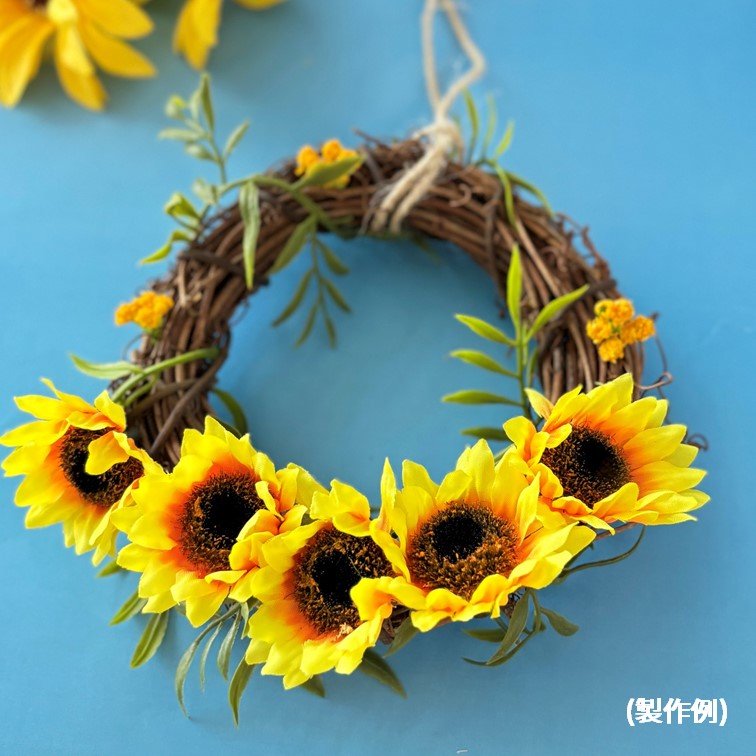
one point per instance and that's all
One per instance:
(635, 117)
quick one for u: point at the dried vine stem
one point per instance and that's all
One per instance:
(464, 207)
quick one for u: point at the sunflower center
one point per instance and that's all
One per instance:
(326, 571)
(460, 546)
(37, 3)
(589, 466)
(216, 510)
(101, 490)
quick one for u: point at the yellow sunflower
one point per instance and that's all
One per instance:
(321, 603)
(78, 464)
(82, 33)
(197, 28)
(603, 458)
(467, 545)
(196, 533)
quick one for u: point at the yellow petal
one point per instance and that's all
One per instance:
(84, 88)
(21, 46)
(120, 18)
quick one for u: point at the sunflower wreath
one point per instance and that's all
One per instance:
(314, 578)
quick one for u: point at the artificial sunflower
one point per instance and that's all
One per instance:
(197, 27)
(603, 458)
(321, 602)
(78, 464)
(467, 545)
(196, 533)
(81, 33)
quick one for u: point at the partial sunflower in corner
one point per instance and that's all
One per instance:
(78, 464)
(603, 458)
(197, 27)
(81, 33)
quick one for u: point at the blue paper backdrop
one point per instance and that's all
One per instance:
(637, 118)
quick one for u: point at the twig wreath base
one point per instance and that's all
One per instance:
(464, 207)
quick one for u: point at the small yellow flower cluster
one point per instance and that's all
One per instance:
(614, 327)
(147, 310)
(330, 152)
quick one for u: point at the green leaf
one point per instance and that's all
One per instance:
(237, 413)
(109, 371)
(406, 632)
(132, 606)
(179, 206)
(111, 568)
(199, 152)
(205, 653)
(236, 688)
(315, 686)
(514, 287)
(472, 114)
(506, 140)
(308, 325)
(604, 562)
(183, 669)
(235, 137)
(336, 295)
(176, 235)
(553, 308)
(324, 173)
(488, 634)
(491, 125)
(485, 330)
(481, 360)
(478, 397)
(249, 206)
(561, 624)
(330, 329)
(224, 653)
(206, 99)
(174, 108)
(296, 300)
(333, 261)
(515, 629)
(180, 135)
(152, 637)
(205, 191)
(375, 666)
(506, 184)
(521, 182)
(489, 433)
(294, 244)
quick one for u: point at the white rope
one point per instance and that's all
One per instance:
(442, 135)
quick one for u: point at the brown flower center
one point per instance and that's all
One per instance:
(37, 3)
(326, 570)
(215, 512)
(102, 490)
(459, 547)
(588, 464)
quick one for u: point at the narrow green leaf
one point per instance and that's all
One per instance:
(176, 235)
(478, 397)
(237, 413)
(506, 140)
(132, 606)
(236, 688)
(310, 322)
(315, 686)
(152, 637)
(109, 371)
(294, 244)
(174, 108)
(485, 330)
(506, 184)
(333, 261)
(489, 634)
(205, 653)
(180, 135)
(406, 632)
(330, 329)
(183, 669)
(206, 99)
(514, 287)
(336, 294)
(472, 114)
(561, 624)
(224, 653)
(199, 152)
(553, 308)
(249, 206)
(491, 125)
(205, 191)
(111, 568)
(235, 137)
(515, 629)
(296, 300)
(604, 562)
(375, 666)
(179, 206)
(521, 182)
(324, 173)
(481, 360)
(489, 433)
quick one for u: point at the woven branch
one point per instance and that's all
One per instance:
(464, 207)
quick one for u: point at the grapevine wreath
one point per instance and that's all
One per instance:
(314, 578)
